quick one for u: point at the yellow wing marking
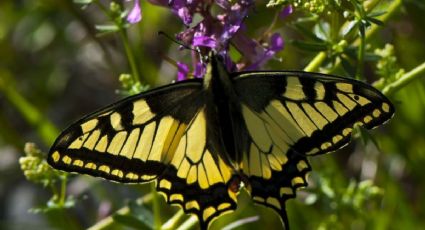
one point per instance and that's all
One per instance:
(102, 144)
(276, 110)
(77, 143)
(340, 109)
(193, 161)
(327, 111)
(316, 117)
(89, 125)
(376, 113)
(105, 168)
(320, 90)
(256, 129)
(208, 212)
(166, 127)
(141, 112)
(92, 140)
(117, 143)
(193, 204)
(350, 104)
(115, 120)
(359, 99)
(66, 159)
(56, 156)
(273, 202)
(286, 191)
(301, 118)
(212, 170)
(202, 177)
(130, 144)
(385, 107)
(165, 184)
(196, 138)
(294, 90)
(145, 142)
(344, 87)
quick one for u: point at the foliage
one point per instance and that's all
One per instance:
(60, 60)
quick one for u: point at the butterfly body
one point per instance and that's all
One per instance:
(199, 139)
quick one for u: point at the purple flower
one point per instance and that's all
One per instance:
(200, 70)
(217, 29)
(276, 45)
(286, 11)
(182, 71)
(204, 41)
(184, 9)
(135, 14)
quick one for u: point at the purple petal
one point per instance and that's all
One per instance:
(204, 41)
(225, 4)
(276, 42)
(286, 11)
(200, 70)
(135, 14)
(182, 71)
(185, 15)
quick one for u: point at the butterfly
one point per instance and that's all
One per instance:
(202, 140)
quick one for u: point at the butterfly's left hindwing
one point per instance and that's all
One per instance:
(199, 179)
(291, 115)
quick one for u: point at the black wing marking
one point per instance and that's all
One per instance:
(290, 115)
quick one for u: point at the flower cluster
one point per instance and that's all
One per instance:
(222, 23)
(35, 167)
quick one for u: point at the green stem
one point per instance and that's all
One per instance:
(171, 223)
(316, 62)
(45, 129)
(109, 221)
(130, 55)
(405, 79)
(360, 58)
(156, 208)
(123, 35)
(62, 199)
(189, 223)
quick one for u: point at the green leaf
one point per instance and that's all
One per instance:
(273, 3)
(107, 28)
(322, 31)
(311, 46)
(83, 2)
(365, 136)
(349, 28)
(348, 67)
(307, 33)
(375, 21)
(139, 217)
(130, 221)
(377, 14)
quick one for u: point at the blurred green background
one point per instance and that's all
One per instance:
(54, 69)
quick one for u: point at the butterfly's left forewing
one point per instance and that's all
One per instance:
(127, 141)
(291, 115)
(158, 135)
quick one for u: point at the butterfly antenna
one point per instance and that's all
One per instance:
(178, 42)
